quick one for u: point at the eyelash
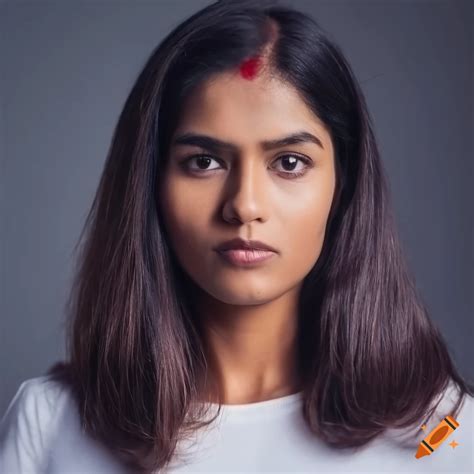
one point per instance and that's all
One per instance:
(287, 174)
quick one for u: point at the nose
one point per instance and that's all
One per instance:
(246, 193)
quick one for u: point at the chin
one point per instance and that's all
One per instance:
(243, 297)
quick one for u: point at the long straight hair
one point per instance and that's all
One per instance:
(369, 355)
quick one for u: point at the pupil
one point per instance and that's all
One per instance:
(201, 159)
(293, 161)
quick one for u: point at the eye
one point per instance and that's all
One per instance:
(289, 161)
(202, 162)
(292, 161)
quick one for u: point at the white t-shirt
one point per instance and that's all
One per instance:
(40, 433)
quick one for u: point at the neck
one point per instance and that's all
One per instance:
(251, 349)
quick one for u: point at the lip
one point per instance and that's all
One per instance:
(241, 244)
(244, 258)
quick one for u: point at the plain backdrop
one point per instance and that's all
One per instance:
(66, 69)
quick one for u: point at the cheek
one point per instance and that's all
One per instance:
(304, 223)
(186, 215)
(304, 236)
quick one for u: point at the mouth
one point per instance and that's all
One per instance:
(242, 244)
(246, 257)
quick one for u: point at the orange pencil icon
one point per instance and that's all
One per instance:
(436, 436)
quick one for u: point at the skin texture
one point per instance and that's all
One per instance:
(248, 315)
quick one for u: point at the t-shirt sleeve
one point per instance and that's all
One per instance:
(24, 430)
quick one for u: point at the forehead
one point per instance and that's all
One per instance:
(231, 106)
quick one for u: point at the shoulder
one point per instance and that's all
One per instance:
(449, 456)
(29, 424)
(37, 397)
(463, 414)
(444, 404)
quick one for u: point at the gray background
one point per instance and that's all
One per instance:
(66, 69)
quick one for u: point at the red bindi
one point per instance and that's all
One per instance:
(249, 67)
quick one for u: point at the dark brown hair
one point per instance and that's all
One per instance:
(369, 355)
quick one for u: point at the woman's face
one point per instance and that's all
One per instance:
(247, 190)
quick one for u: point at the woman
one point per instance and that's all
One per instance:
(241, 261)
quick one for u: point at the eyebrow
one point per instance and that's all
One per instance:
(214, 145)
